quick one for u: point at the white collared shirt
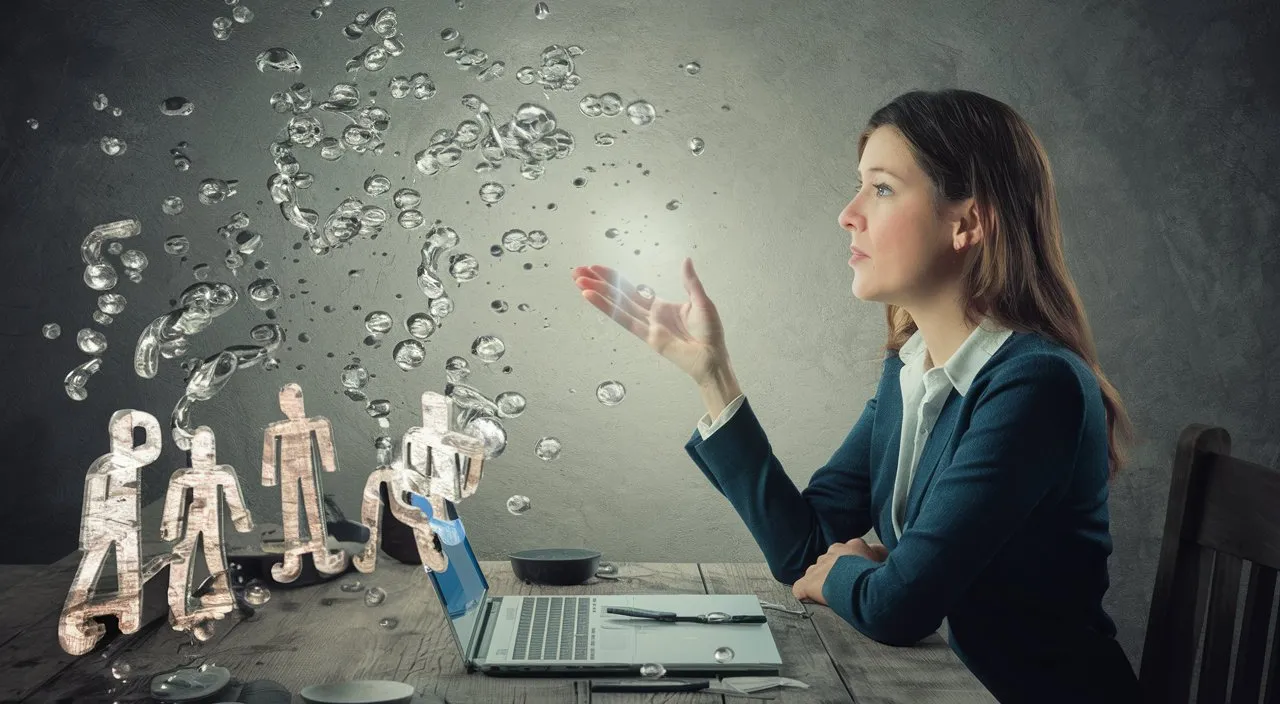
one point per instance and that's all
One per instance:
(923, 391)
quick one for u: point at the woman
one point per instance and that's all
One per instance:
(999, 521)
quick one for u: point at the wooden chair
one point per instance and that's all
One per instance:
(1222, 512)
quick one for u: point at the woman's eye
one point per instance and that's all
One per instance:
(877, 186)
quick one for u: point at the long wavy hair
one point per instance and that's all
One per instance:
(971, 145)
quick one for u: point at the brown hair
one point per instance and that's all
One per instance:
(973, 145)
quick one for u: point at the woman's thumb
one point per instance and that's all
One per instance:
(692, 284)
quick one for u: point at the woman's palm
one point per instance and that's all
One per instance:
(689, 334)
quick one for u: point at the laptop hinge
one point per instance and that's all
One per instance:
(482, 633)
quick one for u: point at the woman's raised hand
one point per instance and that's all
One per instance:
(689, 333)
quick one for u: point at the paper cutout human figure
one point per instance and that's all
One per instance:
(202, 517)
(433, 461)
(300, 484)
(110, 518)
(454, 461)
(399, 480)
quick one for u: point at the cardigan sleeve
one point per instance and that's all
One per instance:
(1021, 444)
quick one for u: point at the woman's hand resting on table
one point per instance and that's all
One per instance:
(810, 585)
(689, 334)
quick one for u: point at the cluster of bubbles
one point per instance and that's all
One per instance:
(241, 240)
(222, 24)
(387, 46)
(531, 136)
(351, 218)
(100, 275)
(406, 200)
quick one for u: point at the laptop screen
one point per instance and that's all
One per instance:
(461, 587)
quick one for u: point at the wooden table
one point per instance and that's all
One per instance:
(320, 634)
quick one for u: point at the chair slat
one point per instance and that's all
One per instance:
(1259, 594)
(1215, 664)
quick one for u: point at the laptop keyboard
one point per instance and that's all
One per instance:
(554, 628)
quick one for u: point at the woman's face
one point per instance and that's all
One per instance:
(894, 220)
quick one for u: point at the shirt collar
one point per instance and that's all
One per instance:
(973, 354)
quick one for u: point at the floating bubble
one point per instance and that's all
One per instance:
(113, 146)
(100, 102)
(377, 185)
(610, 393)
(171, 205)
(410, 219)
(692, 68)
(264, 293)
(547, 449)
(510, 404)
(517, 505)
(605, 139)
(77, 378)
(420, 325)
(112, 303)
(541, 11)
(723, 654)
(374, 596)
(100, 277)
(91, 341)
(409, 354)
(242, 14)
(673, 204)
(457, 369)
(51, 331)
(406, 198)
(177, 245)
(378, 322)
(492, 192)
(388, 622)
(612, 233)
(351, 587)
(644, 291)
(641, 112)
(464, 267)
(378, 408)
(354, 376)
(102, 318)
(33, 123)
(256, 593)
(488, 348)
(697, 146)
(278, 59)
(216, 190)
(652, 669)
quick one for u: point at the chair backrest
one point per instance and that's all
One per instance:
(1223, 512)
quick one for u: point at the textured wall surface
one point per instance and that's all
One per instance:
(1159, 120)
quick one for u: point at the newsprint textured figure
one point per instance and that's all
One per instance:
(300, 484)
(431, 463)
(201, 518)
(110, 518)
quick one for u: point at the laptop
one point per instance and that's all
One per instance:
(572, 635)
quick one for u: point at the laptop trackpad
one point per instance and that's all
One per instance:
(613, 643)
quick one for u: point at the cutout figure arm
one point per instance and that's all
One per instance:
(269, 456)
(95, 490)
(235, 501)
(324, 441)
(175, 509)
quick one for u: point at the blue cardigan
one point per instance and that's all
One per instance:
(1005, 531)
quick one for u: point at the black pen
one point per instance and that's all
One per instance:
(671, 617)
